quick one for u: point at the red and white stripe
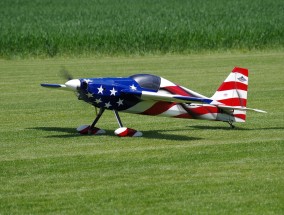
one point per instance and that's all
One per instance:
(85, 129)
(127, 132)
(205, 112)
(172, 88)
(233, 91)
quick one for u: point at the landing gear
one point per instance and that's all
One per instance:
(102, 110)
(118, 118)
(121, 131)
(91, 129)
(231, 124)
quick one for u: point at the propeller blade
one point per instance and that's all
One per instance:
(66, 74)
(55, 86)
(71, 85)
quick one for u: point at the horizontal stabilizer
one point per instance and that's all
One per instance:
(240, 108)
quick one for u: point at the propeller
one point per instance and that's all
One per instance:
(71, 84)
(66, 74)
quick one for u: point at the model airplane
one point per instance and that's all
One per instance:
(153, 95)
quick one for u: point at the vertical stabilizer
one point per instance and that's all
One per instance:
(233, 91)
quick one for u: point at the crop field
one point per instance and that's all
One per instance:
(115, 27)
(177, 167)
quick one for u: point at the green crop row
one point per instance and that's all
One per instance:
(58, 27)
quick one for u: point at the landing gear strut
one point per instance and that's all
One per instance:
(231, 124)
(96, 120)
(91, 129)
(118, 118)
(121, 131)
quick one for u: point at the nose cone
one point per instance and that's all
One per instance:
(73, 84)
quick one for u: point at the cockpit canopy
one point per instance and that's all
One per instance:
(147, 81)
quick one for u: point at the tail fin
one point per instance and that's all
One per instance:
(233, 91)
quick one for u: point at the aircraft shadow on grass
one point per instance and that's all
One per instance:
(206, 127)
(153, 134)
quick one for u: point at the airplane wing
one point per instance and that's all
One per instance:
(173, 98)
(146, 95)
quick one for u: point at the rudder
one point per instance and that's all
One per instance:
(233, 91)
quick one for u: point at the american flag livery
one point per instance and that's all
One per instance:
(152, 95)
(132, 95)
(233, 92)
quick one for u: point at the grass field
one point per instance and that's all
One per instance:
(113, 27)
(177, 167)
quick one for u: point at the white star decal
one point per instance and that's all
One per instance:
(107, 105)
(132, 87)
(90, 95)
(98, 100)
(100, 89)
(112, 92)
(87, 80)
(120, 102)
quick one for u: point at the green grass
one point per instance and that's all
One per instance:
(111, 27)
(177, 167)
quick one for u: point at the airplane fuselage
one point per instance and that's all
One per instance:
(125, 94)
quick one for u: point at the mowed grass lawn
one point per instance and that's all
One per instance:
(177, 167)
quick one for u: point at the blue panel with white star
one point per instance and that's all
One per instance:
(109, 92)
